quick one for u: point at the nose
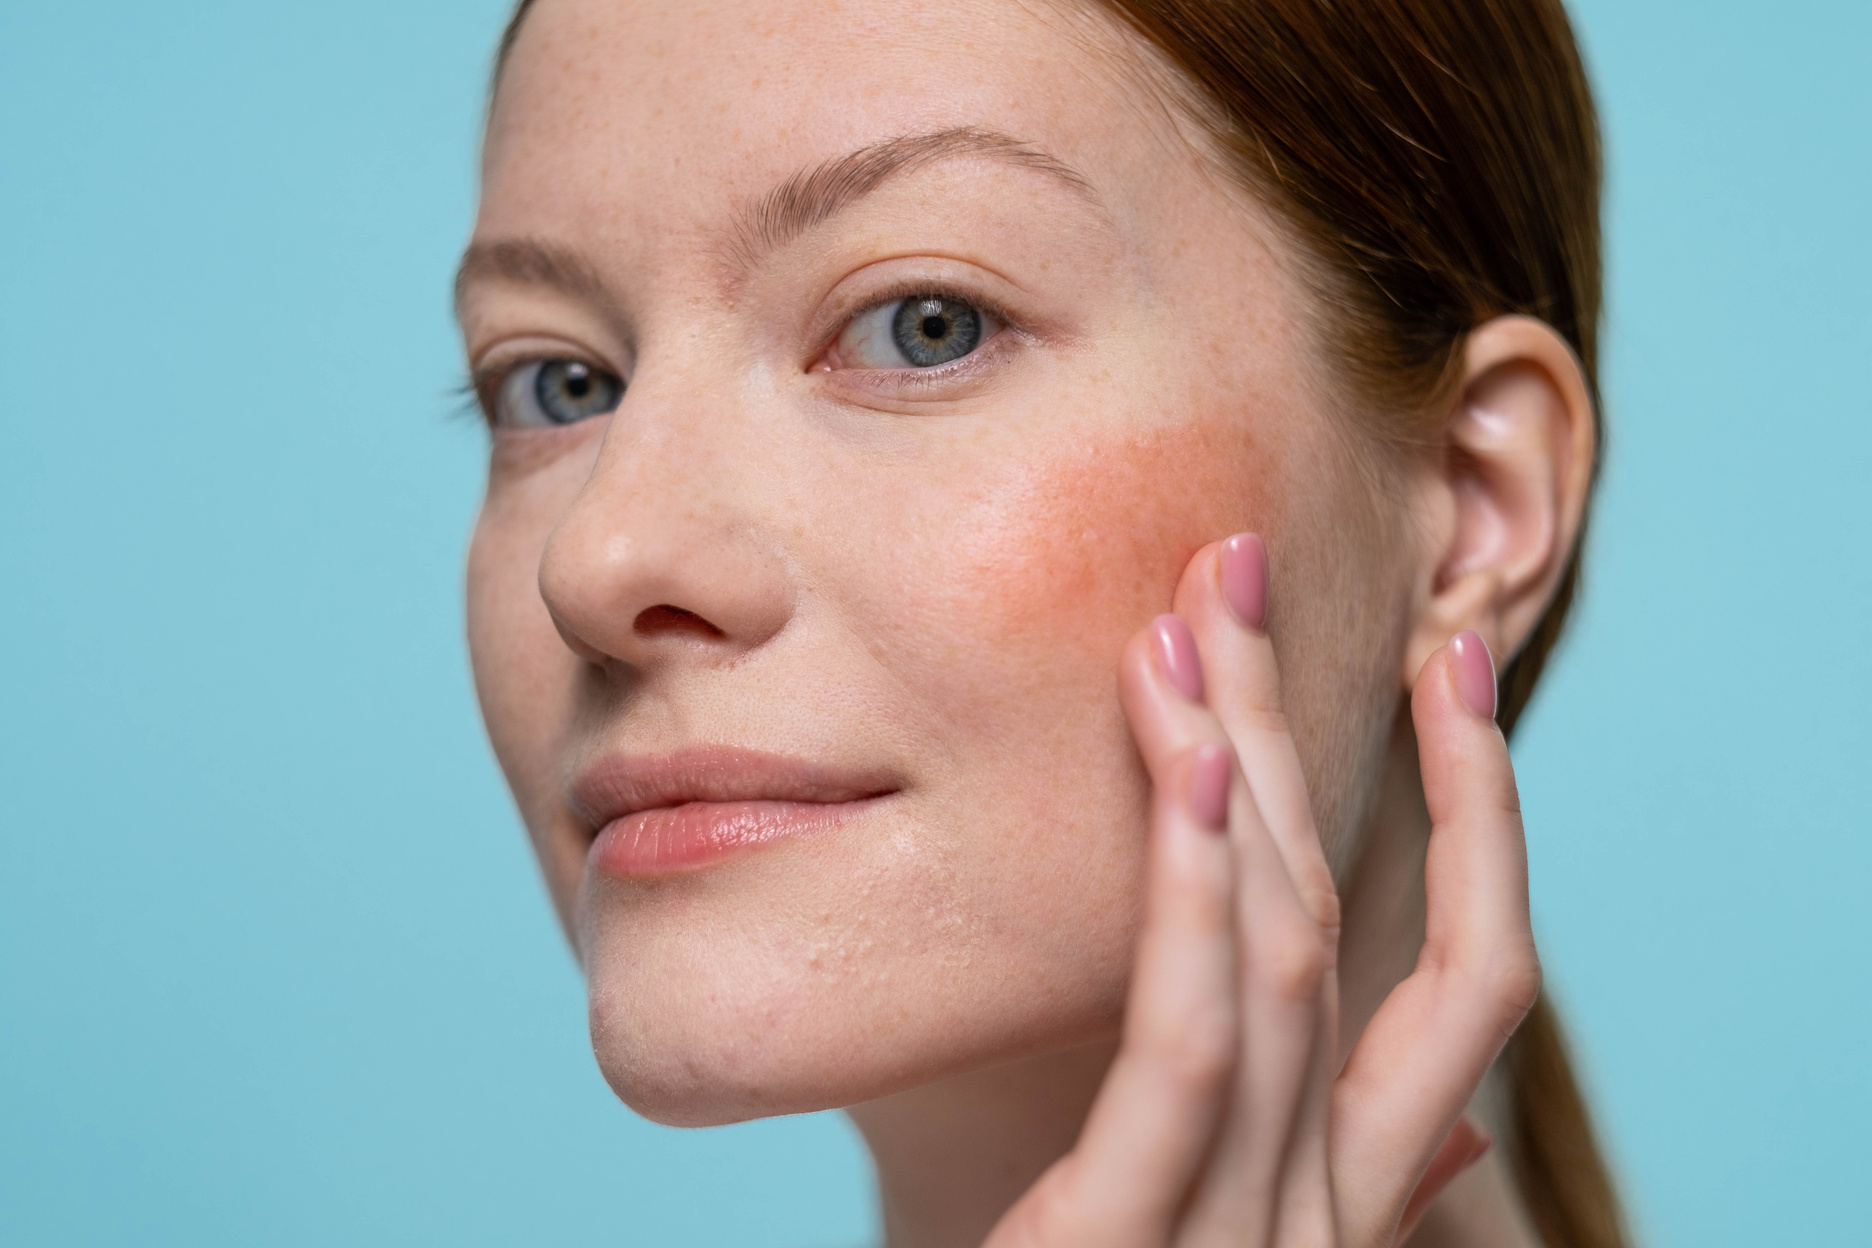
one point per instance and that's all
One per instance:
(663, 557)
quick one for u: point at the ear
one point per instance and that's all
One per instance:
(1501, 494)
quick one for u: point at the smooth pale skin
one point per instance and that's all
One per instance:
(936, 581)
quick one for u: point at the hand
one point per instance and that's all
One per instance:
(1225, 1118)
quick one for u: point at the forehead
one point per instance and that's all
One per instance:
(670, 110)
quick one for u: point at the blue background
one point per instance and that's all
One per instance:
(274, 966)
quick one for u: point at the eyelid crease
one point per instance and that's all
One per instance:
(512, 350)
(516, 351)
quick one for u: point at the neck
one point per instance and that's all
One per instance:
(952, 1156)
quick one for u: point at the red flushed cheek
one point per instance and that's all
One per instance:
(1080, 549)
(1031, 581)
(1035, 576)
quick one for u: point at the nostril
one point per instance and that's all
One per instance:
(663, 619)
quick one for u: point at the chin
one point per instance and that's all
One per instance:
(694, 1038)
(706, 1067)
(798, 980)
(709, 1061)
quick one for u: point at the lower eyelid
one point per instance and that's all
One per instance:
(943, 379)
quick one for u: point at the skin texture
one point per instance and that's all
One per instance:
(932, 582)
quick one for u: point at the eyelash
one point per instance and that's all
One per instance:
(904, 289)
(480, 390)
(466, 396)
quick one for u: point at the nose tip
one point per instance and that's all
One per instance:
(628, 581)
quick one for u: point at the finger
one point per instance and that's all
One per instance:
(1268, 1175)
(1224, 592)
(1463, 1147)
(1272, 1169)
(1285, 962)
(1152, 1123)
(1224, 595)
(1433, 1039)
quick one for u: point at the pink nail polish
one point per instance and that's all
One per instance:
(1475, 673)
(1175, 647)
(1244, 578)
(1209, 787)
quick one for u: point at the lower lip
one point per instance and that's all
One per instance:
(673, 839)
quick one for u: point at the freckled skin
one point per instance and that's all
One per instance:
(938, 587)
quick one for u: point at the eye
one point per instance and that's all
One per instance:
(922, 331)
(555, 392)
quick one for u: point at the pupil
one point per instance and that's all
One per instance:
(931, 330)
(568, 391)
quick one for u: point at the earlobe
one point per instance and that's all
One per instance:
(1504, 490)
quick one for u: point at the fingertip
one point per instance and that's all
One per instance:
(1456, 685)
(1461, 749)
(1479, 1148)
(1465, 1145)
(1154, 706)
(1474, 671)
(1242, 569)
(1174, 648)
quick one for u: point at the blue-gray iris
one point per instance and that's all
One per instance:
(931, 331)
(569, 391)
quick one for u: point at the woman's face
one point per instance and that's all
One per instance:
(942, 349)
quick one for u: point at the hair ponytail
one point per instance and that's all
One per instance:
(1565, 1186)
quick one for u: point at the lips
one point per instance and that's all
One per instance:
(656, 815)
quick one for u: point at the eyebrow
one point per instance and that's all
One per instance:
(807, 199)
(528, 262)
(813, 196)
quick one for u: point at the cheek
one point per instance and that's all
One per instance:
(507, 626)
(1028, 589)
(1028, 584)
(1053, 566)
(525, 677)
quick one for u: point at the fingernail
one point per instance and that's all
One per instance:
(1209, 787)
(1244, 578)
(1176, 655)
(1475, 673)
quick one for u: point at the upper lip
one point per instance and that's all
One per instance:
(623, 784)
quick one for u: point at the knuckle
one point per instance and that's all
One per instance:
(1207, 1052)
(1322, 905)
(1290, 959)
(1195, 1052)
(1052, 1214)
(1513, 982)
(1053, 1217)
(1264, 714)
